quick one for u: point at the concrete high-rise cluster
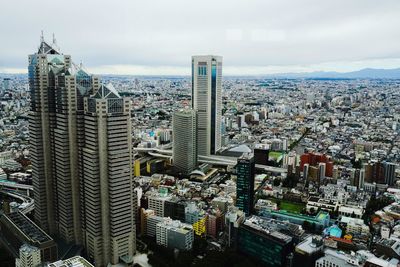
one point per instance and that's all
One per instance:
(81, 153)
(197, 131)
(379, 172)
(207, 101)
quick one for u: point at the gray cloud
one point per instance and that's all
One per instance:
(252, 35)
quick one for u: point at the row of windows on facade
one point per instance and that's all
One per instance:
(202, 70)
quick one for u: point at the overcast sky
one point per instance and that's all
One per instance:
(159, 36)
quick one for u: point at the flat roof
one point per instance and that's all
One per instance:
(27, 227)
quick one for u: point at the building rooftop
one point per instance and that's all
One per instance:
(262, 225)
(76, 261)
(310, 245)
(27, 227)
(246, 156)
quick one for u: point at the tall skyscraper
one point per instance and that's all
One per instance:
(245, 169)
(389, 169)
(80, 147)
(361, 180)
(185, 140)
(321, 172)
(207, 101)
(107, 187)
(305, 172)
(57, 87)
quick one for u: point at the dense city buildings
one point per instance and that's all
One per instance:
(259, 171)
(331, 180)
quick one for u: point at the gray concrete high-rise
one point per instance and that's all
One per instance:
(107, 187)
(57, 87)
(207, 101)
(185, 140)
(389, 172)
(80, 148)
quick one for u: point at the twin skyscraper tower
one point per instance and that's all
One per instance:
(81, 151)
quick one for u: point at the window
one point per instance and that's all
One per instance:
(202, 70)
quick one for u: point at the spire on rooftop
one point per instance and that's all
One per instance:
(45, 48)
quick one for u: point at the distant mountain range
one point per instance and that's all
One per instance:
(367, 73)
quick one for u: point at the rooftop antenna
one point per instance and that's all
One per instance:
(54, 39)
(41, 42)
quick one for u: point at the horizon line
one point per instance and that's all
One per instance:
(2, 72)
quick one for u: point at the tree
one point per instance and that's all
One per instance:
(277, 182)
(374, 204)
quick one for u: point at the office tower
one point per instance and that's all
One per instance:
(361, 180)
(144, 215)
(378, 173)
(184, 125)
(107, 186)
(152, 221)
(81, 157)
(57, 87)
(207, 101)
(193, 213)
(174, 234)
(389, 169)
(214, 223)
(29, 256)
(368, 168)
(313, 159)
(245, 169)
(241, 121)
(175, 209)
(259, 240)
(321, 172)
(305, 171)
(156, 202)
(261, 154)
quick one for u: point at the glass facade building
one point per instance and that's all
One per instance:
(271, 248)
(207, 101)
(245, 169)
